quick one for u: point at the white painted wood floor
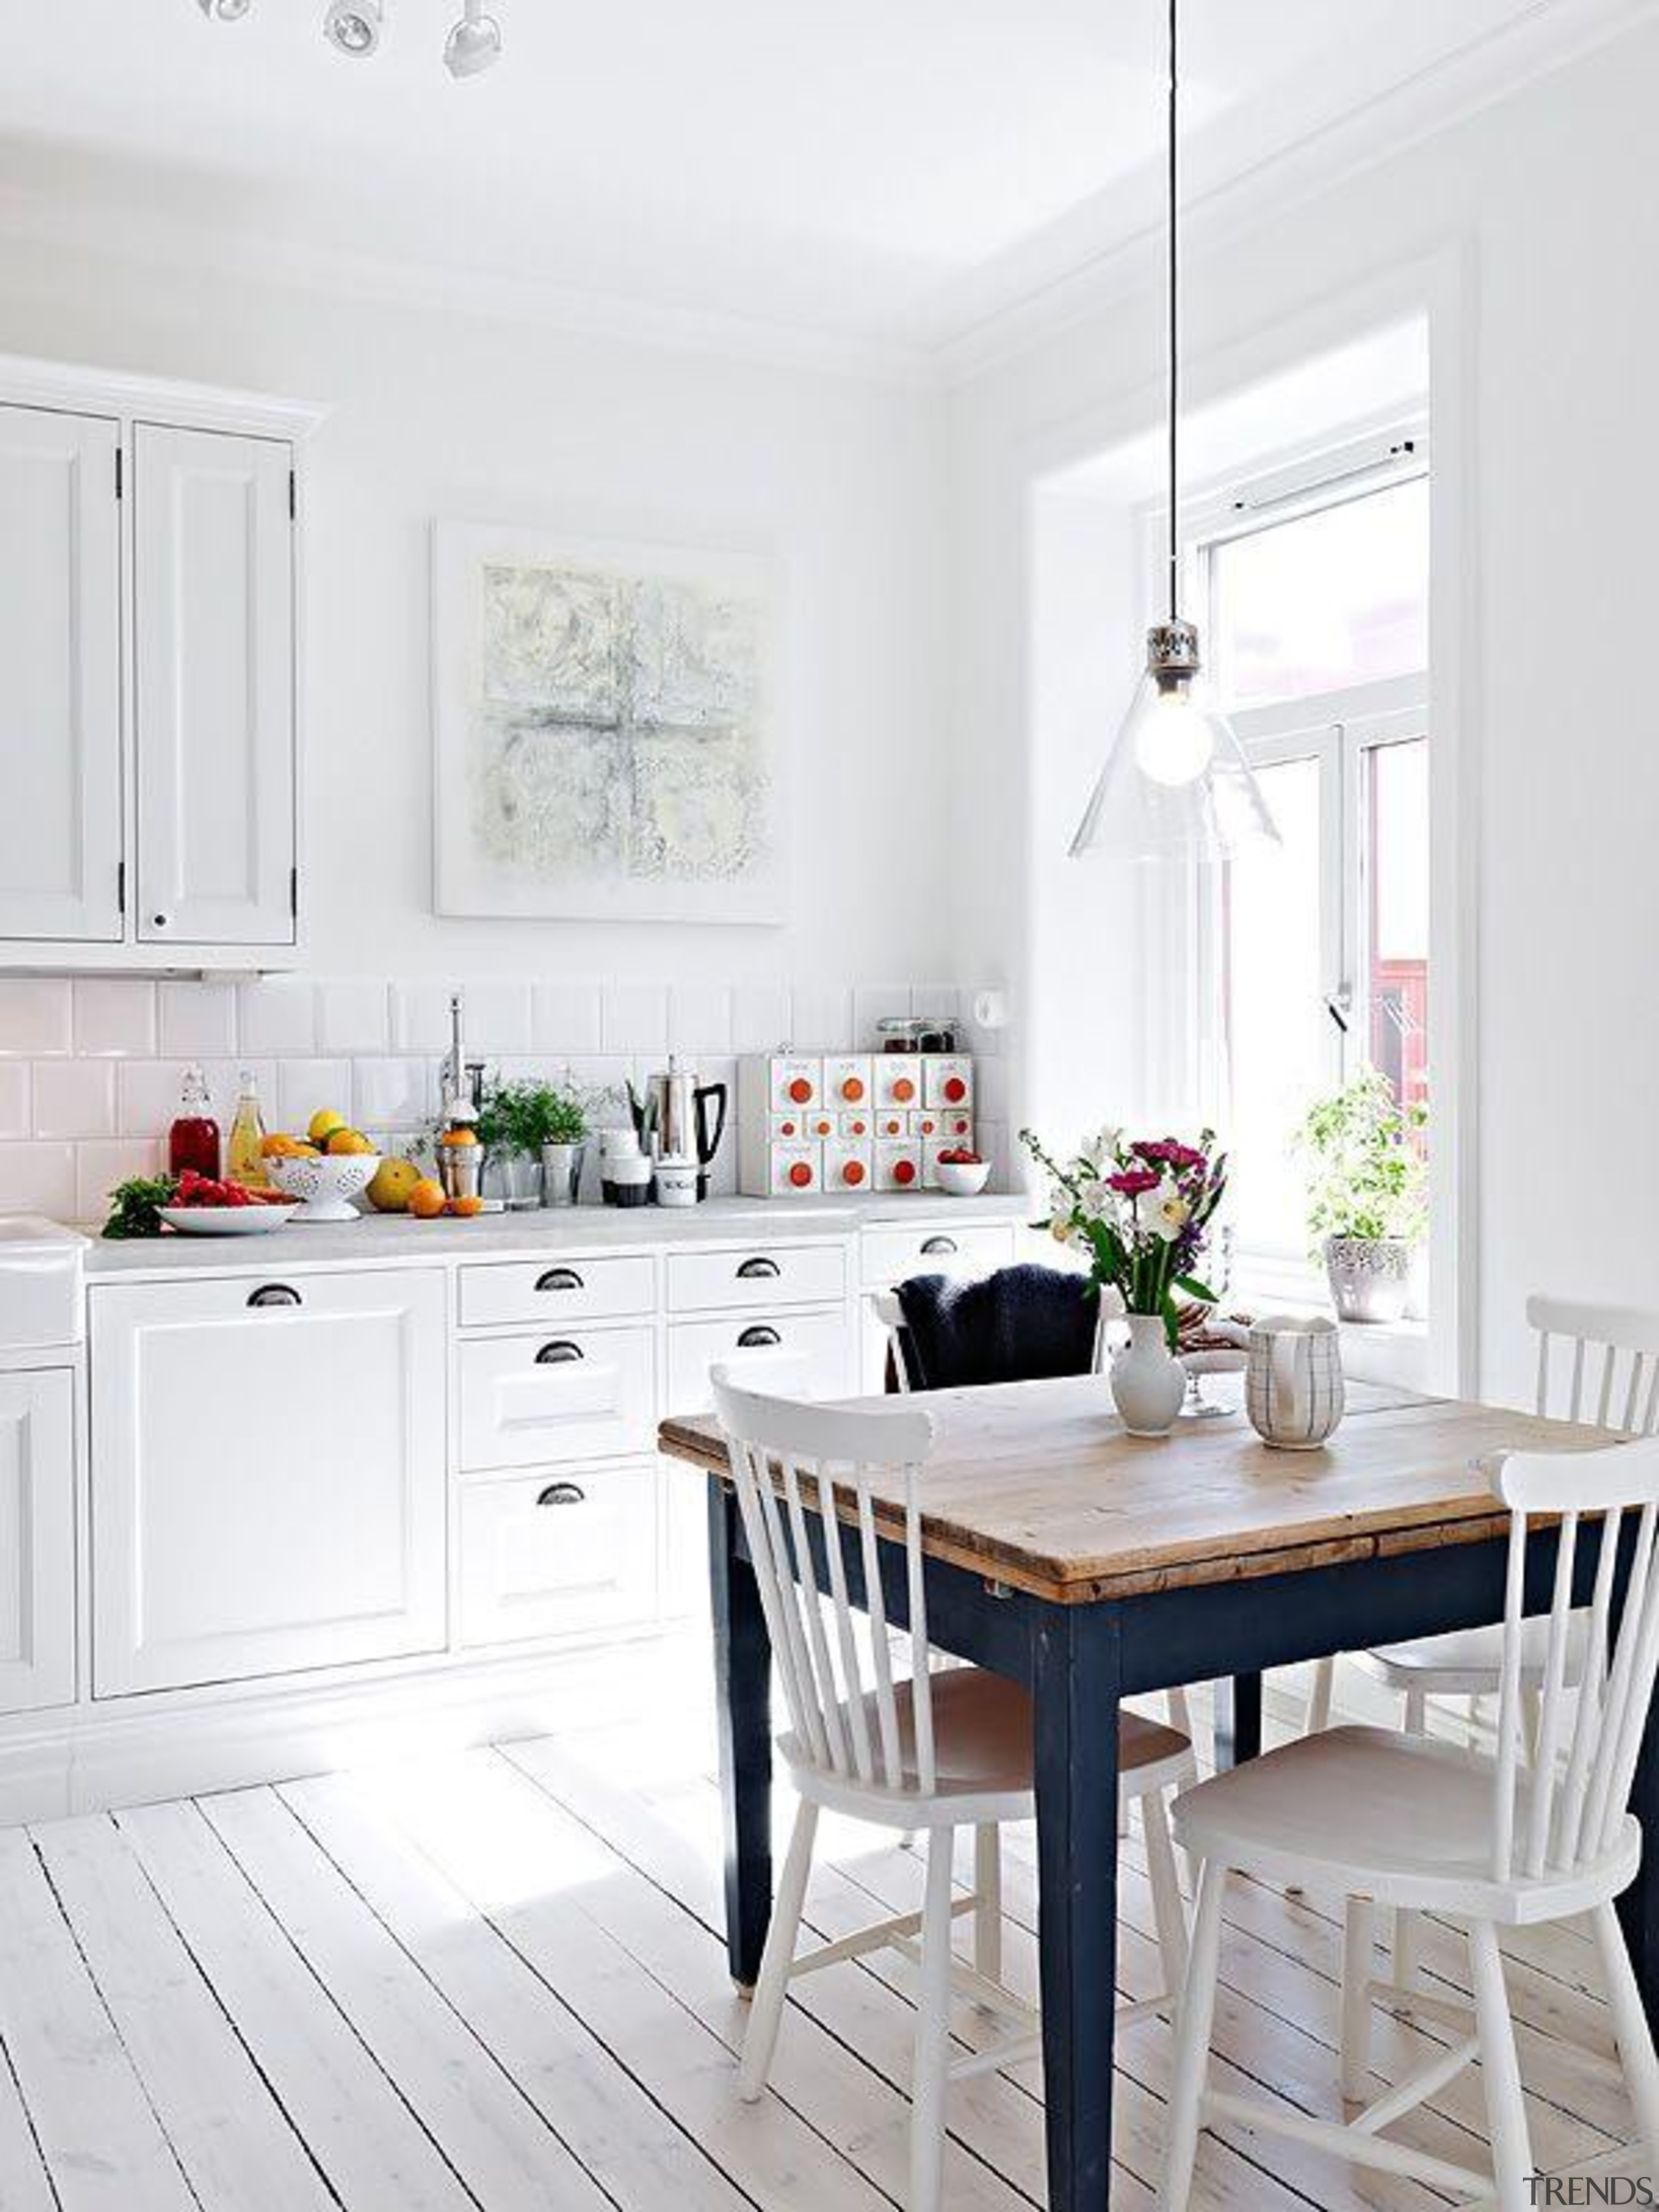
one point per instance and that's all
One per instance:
(496, 1981)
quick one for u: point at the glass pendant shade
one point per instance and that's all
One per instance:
(1176, 786)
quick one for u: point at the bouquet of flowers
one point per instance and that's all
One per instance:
(1141, 1209)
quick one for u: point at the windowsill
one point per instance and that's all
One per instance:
(1388, 1352)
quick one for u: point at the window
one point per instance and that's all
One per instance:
(1319, 617)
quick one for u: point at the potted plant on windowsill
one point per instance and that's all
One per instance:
(1367, 1195)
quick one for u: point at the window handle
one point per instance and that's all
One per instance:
(1339, 1006)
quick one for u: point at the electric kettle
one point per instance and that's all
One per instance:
(674, 1124)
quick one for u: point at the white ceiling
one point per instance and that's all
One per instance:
(893, 173)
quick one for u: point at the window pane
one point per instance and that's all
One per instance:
(1279, 1055)
(1330, 600)
(1397, 875)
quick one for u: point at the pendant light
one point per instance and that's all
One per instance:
(1175, 784)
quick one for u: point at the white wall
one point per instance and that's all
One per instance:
(449, 415)
(1543, 211)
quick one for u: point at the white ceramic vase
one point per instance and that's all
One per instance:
(1148, 1380)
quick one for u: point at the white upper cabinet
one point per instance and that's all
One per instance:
(214, 678)
(60, 677)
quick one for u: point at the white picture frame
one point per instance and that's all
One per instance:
(607, 732)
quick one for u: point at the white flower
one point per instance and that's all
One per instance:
(1100, 1200)
(1164, 1212)
(1103, 1147)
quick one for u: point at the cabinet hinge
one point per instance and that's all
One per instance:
(121, 473)
(293, 892)
(293, 494)
(121, 889)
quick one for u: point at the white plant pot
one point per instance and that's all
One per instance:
(1370, 1278)
(1148, 1382)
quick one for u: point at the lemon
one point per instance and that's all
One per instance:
(393, 1181)
(343, 1142)
(324, 1123)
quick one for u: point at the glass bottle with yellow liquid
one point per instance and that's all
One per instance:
(244, 1148)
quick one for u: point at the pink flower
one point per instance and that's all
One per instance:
(1134, 1183)
(1168, 1153)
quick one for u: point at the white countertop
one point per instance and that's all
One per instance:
(389, 1239)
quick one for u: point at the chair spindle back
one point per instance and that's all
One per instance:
(1609, 1364)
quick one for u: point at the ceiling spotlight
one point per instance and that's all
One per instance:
(475, 43)
(352, 25)
(224, 11)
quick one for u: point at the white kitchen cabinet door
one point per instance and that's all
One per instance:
(60, 677)
(37, 1540)
(213, 629)
(268, 1475)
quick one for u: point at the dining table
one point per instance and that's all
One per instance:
(1093, 1567)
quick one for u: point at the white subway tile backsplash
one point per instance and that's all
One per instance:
(564, 1018)
(700, 1017)
(634, 1018)
(353, 1018)
(38, 1179)
(74, 1098)
(114, 1015)
(393, 1094)
(35, 1016)
(277, 1015)
(496, 1017)
(199, 1020)
(305, 1087)
(420, 1017)
(14, 1091)
(760, 1017)
(824, 1019)
(876, 1002)
(991, 1090)
(99, 1167)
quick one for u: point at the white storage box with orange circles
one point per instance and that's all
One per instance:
(846, 1081)
(898, 1080)
(796, 1084)
(898, 1164)
(848, 1167)
(947, 1079)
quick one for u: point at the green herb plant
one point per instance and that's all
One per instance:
(517, 1119)
(135, 1207)
(1368, 1174)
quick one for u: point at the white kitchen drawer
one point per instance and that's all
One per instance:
(557, 1292)
(759, 1275)
(569, 1394)
(821, 1343)
(935, 1247)
(552, 1554)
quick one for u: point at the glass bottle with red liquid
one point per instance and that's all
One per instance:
(193, 1140)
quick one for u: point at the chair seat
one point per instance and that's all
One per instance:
(982, 1748)
(1466, 1663)
(1401, 1820)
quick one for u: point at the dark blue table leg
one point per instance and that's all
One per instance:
(1238, 1719)
(1638, 1908)
(1074, 1690)
(743, 1683)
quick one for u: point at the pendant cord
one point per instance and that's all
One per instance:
(1175, 322)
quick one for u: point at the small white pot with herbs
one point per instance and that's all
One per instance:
(1367, 1196)
(535, 1135)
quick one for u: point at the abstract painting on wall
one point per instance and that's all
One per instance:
(606, 731)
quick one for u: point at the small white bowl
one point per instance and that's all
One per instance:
(958, 1180)
(327, 1185)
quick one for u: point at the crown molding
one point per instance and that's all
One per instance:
(25, 382)
(1548, 35)
(37, 219)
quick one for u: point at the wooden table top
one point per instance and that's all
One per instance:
(1036, 1486)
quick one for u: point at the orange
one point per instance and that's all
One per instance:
(458, 1137)
(346, 1142)
(426, 1200)
(467, 1209)
(280, 1148)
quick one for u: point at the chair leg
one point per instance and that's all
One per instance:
(1179, 1709)
(932, 2031)
(1630, 2026)
(1408, 1926)
(1358, 1964)
(766, 2008)
(1168, 1914)
(1506, 2111)
(987, 1889)
(1319, 1698)
(1194, 2018)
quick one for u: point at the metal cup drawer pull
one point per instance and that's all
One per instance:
(759, 1338)
(758, 1270)
(274, 1294)
(560, 1278)
(559, 1355)
(563, 1494)
(939, 1247)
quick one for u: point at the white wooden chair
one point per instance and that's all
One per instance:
(1428, 1825)
(935, 1753)
(1608, 1375)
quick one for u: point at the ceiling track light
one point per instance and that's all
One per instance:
(354, 27)
(224, 11)
(475, 43)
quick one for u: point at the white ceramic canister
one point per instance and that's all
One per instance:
(677, 1180)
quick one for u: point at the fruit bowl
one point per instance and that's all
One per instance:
(961, 1178)
(327, 1185)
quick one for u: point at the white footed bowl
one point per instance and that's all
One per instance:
(957, 1181)
(328, 1185)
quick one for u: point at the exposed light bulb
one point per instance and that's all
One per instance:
(224, 11)
(1175, 742)
(475, 43)
(354, 27)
